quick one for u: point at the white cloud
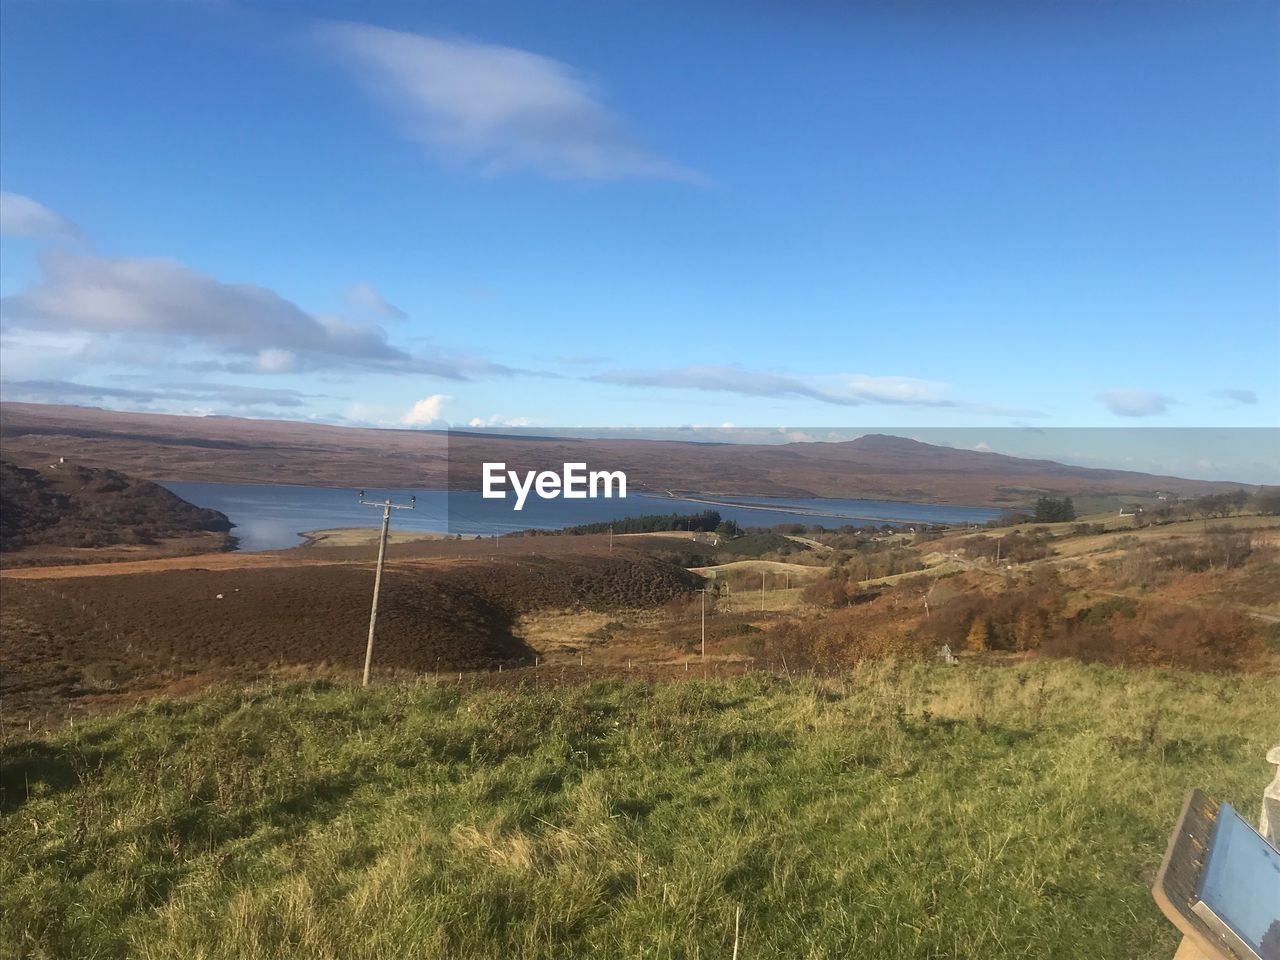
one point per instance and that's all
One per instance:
(23, 217)
(845, 390)
(425, 412)
(498, 420)
(499, 108)
(277, 361)
(850, 391)
(233, 396)
(907, 390)
(24, 351)
(147, 302)
(365, 299)
(1135, 403)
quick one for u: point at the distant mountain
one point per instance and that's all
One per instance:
(67, 505)
(234, 450)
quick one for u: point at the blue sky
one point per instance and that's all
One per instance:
(605, 213)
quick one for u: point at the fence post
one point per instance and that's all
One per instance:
(1269, 823)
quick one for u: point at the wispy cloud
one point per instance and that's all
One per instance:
(499, 420)
(366, 300)
(145, 301)
(23, 217)
(236, 396)
(844, 390)
(1236, 396)
(1135, 403)
(848, 391)
(498, 108)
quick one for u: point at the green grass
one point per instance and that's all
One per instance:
(901, 812)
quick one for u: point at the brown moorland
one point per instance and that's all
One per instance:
(86, 637)
(110, 632)
(64, 512)
(234, 450)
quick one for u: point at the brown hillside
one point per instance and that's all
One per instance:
(65, 505)
(233, 450)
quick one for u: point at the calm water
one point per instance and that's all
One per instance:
(272, 516)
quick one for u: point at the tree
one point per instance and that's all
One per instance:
(728, 529)
(979, 639)
(1053, 510)
(1267, 500)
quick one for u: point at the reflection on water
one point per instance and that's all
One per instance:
(271, 516)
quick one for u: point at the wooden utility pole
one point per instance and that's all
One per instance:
(703, 591)
(387, 506)
(762, 579)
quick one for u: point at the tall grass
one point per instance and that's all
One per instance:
(901, 811)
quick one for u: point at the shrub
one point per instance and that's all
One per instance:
(1184, 638)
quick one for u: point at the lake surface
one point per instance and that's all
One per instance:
(273, 516)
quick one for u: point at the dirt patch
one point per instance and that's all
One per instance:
(71, 639)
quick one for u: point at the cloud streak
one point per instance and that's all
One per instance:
(365, 299)
(149, 300)
(23, 217)
(233, 395)
(497, 108)
(1135, 403)
(1237, 396)
(847, 391)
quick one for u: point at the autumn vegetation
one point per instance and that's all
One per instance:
(67, 505)
(580, 781)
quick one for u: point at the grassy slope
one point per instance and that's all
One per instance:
(909, 811)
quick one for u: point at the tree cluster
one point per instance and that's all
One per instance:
(1053, 510)
(705, 522)
(841, 587)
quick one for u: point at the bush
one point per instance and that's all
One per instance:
(836, 643)
(1016, 547)
(1019, 617)
(759, 544)
(1218, 548)
(1184, 638)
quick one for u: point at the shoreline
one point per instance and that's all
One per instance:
(364, 536)
(809, 512)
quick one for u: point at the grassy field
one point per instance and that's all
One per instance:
(896, 812)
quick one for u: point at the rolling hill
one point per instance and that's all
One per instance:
(65, 505)
(234, 450)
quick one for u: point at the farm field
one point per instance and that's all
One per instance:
(97, 637)
(898, 811)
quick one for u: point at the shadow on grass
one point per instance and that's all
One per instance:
(25, 768)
